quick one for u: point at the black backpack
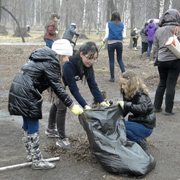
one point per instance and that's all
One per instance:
(133, 33)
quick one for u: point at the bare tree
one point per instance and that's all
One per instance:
(0, 10)
(15, 21)
(98, 16)
(84, 17)
(161, 9)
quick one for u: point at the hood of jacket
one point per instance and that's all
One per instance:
(43, 54)
(170, 17)
(151, 25)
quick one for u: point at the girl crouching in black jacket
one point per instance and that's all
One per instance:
(137, 102)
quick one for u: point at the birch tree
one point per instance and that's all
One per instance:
(84, 17)
(35, 12)
(161, 8)
(170, 4)
(98, 16)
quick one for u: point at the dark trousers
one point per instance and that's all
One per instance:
(58, 115)
(49, 43)
(111, 50)
(168, 73)
(150, 43)
(144, 47)
(134, 42)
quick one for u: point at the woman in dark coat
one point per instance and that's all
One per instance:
(168, 63)
(25, 96)
(137, 102)
(79, 67)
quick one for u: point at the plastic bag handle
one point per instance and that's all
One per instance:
(176, 30)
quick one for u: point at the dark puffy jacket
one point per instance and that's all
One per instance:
(39, 73)
(141, 108)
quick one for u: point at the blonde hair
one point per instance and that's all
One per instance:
(133, 84)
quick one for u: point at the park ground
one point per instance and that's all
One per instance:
(79, 163)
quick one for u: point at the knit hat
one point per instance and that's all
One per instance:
(62, 47)
(74, 25)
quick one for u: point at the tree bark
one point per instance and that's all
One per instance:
(23, 40)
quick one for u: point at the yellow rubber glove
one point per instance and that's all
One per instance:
(56, 31)
(103, 43)
(108, 103)
(121, 103)
(87, 107)
(104, 104)
(76, 110)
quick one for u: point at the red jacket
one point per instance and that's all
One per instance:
(50, 31)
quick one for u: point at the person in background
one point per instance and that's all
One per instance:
(70, 32)
(79, 67)
(114, 37)
(144, 41)
(25, 95)
(150, 32)
(134, 35)
(51, 30)
(137, 104)
(168, 63)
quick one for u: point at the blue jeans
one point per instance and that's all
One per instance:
(149, 48)
(136, 131)
(30, 125)
(168, 73)
(49, 43)
(119, 49)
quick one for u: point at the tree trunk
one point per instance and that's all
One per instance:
(23, 40)
(161, 8)
(0, 10)
(98, 16)
(132, 20)
(84, 17)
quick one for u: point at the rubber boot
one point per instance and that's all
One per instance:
(37, 159)
(27, 143)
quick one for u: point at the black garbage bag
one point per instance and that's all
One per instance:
(106, 133)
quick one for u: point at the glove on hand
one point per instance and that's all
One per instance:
(103, 43)
(76, 110)
(104, 104)
(87, 107)
(121, 103)
(77, 34)
(56, 32)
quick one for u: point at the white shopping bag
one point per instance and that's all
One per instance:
(173, 43)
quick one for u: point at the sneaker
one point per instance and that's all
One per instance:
(157, 110)
(143, 144)
(63, 143)
(42, 164)
(51, 133)
(168, 113)
(111, 80)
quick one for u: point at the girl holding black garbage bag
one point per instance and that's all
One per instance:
(79, 67)
(136, 101)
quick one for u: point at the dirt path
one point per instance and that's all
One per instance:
(80, 163)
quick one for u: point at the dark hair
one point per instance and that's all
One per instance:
(55, 15)
(86, 48)
(151, 21)
(115, 16)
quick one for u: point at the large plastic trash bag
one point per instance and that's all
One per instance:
(106, 133)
